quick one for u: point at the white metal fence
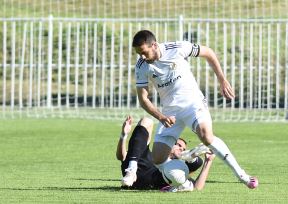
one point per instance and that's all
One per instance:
(145, 8)
(85, 67)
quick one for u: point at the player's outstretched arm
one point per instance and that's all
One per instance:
(121, 150)
(210, 56)
(149, 107)
(202, 177)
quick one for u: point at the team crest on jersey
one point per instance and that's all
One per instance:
(154, 75)
(173, 66)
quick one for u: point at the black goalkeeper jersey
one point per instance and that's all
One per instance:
(148, 176)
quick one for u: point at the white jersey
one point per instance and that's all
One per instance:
(171, 75)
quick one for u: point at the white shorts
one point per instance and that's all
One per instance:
(190, 116)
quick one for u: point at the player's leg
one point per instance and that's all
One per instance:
(165, 139)
(199, 119)
(137, 145)
(140, 139)
(205, 133)
(160, 153)
(148, 124)
(175, 172)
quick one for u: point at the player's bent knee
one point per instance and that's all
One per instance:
(147, 123)
(157, 159)
(160, 152)
(205, 134)
(207, 140)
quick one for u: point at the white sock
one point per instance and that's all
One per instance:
(223, 152)
(133, 165)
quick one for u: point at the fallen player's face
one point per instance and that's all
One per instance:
(149, 53)
(179, 147)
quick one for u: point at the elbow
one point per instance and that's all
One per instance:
(198, 185)
(119, 157)
(142, 103)
(211, 56)
(208, 53)
(199, 188)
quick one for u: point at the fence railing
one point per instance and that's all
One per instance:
(71, 64)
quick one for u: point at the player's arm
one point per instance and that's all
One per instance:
(202, 177)
(210, 56)
(149, 107)
(121, 150)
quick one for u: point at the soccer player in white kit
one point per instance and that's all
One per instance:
(166, 66)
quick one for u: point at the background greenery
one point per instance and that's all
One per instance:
(259, 9)
(73, 161)
(145, 8)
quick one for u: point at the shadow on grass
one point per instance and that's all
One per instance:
(94, 179)
(213, 181)
(262, 183)
(105, 188)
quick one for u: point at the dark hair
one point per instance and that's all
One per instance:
(182, 140)
(143, 37)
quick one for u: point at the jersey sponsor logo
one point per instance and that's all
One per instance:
(173, 66)
(171, 81)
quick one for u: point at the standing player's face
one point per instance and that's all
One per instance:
(149, 53)
(177, 149)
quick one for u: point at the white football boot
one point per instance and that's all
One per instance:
(129, 178)
(190, 155)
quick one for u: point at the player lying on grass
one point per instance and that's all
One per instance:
(137, 167)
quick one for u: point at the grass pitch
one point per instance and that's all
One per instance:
(73, 161)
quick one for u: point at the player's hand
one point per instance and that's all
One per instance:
(226, 89)
(127, 126)
(209, 156)
(168, 121)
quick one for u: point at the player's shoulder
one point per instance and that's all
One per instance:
(140, 62)
(175, 44)
(172, 45)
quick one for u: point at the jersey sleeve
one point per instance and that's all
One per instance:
(141, 74)
(190, 49)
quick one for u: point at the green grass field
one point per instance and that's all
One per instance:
(73, 161)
